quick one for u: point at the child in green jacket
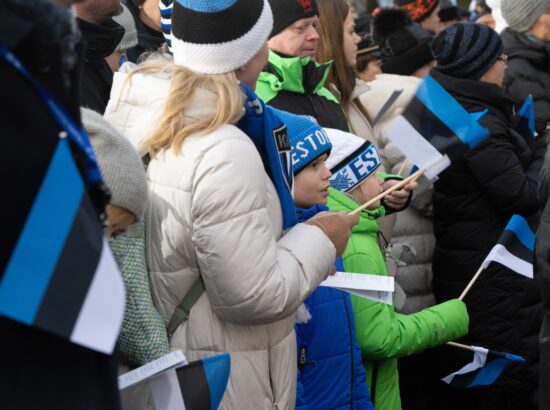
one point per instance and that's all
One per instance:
(383, 335)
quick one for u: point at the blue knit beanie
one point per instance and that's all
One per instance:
(309, 140)
(466, 50)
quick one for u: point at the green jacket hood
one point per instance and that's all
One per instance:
(287, 73)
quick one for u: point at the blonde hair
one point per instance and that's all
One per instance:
(174, 127)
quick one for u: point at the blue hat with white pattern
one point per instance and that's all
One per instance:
(308, 139)
(352, 160)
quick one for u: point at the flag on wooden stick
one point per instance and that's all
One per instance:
(434, 126)
(514, 248)
(484, 369)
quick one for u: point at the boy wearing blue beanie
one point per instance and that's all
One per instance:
(330, 372)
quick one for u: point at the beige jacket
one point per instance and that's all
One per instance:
(213, 211)
(412, 240)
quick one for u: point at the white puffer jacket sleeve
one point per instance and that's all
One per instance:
(250, 278)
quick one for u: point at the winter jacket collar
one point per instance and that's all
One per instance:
(341, 201)
(477, 94)
(295, 74)
(101, 40)
(519, 45)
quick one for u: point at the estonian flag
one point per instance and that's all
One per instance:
(525, 121)
(484, 369)
(514, 248)
(61, 275)
(197, 385)
(435, 128)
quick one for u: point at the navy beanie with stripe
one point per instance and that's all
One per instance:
(218, 36)
(308, 139)
(466, 50)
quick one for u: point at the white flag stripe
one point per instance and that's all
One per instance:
(166, 391)
(480, 357)
(100, 317)
(415, 147)
(500, 254)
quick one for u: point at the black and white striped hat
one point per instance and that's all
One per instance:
(218, 36)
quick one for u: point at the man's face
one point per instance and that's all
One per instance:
(300, 39)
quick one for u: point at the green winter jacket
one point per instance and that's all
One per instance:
(383, 334)
(297, 85)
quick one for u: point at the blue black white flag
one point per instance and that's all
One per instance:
(198, 385)
(485, 368)
(525, 121)
(514, 248)
(435, 128)
(61, 275)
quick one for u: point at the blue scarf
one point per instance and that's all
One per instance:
(268, 132)
(306, 213)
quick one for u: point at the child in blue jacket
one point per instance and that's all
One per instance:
(330, 371)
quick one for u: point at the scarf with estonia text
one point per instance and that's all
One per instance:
(269, 134)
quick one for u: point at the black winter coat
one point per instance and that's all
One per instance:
(542, 268)
(39, 370)
(473, 201)
(528, 72)
(97, 76)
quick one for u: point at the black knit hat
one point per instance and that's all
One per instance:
(405, 45)
(286, 12)
(466, 50)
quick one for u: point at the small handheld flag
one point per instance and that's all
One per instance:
(61, 276)
(525, 121)
(179, 385)
(514, 248)
(484, 369)
(434, 126)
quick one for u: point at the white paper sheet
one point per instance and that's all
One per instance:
(151, 369)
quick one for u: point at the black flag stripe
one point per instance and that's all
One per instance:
(194, 386)
(73, 274)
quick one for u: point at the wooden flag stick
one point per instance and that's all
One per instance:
(471, 283)
(402, 167)
(461, 346)
(400, 185)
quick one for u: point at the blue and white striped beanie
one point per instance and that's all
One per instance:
(308, 139)
(352, 160)
(165, 7)
(218, 36)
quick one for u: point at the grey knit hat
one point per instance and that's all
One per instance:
(466, 50)
(522, 14)
(119, 163)
(126, 20)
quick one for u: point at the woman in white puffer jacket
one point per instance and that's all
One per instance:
(213, 211)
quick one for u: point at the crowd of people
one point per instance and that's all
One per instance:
(235, 140)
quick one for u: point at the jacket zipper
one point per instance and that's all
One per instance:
(352, 384)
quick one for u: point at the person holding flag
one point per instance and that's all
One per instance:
(474, 199)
